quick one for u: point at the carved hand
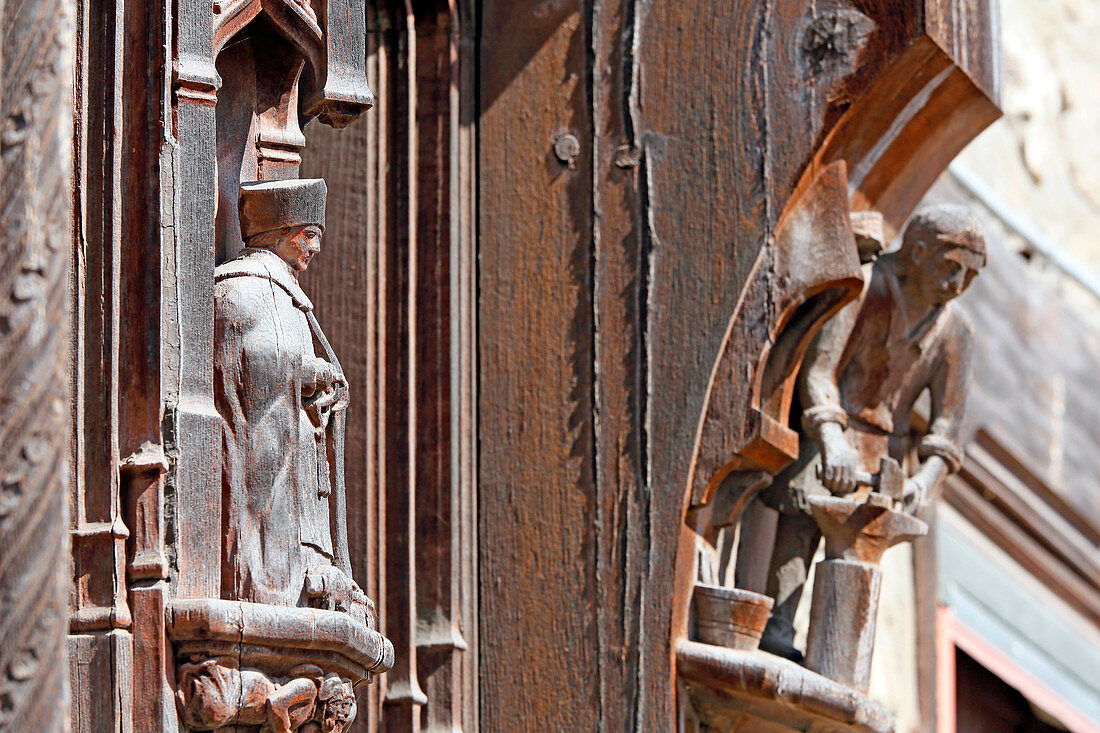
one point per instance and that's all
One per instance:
(327, 375)
(318, 375)
(913, 494)
(921, 484)
(839, 460)
(333, 587)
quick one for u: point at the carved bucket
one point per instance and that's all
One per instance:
(730, 617)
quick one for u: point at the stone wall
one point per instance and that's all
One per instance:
(1043, 157)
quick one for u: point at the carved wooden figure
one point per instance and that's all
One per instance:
(283, 406)
(860, 379)
(281, 395)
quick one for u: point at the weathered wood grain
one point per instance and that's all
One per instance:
(36, 44)
(396, 290)
(609, 283)
(620, 272)
(537, 489)
(445, 547)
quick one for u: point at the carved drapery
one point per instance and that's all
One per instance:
(270, 51)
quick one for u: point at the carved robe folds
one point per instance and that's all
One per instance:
(277, 432)
(292, 634)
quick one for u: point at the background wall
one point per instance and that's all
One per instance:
(1043, 156)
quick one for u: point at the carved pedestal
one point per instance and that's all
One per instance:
(253, 667)
(732, 691)
(847, 584)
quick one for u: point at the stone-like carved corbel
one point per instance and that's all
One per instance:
(271, 669)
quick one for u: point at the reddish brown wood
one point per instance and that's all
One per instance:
(352, 299)
(613, 266)
(537, 490)
(408, 324)
(445, 624)
(740, 692)
(148, 517)
(620, 304)
(640, 312)
(729, 617)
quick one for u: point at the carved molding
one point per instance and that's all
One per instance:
(269, 668)
(279, 638)
(735, 691)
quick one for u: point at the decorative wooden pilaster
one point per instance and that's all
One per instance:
(403, 309)
(35, 157)
(194, 439)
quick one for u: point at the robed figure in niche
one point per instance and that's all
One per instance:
(282, 395)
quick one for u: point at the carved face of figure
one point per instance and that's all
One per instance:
(945, 269)
(942, 250)
(298, 245)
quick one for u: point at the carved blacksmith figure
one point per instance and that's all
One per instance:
(859, 381)
(281, 394)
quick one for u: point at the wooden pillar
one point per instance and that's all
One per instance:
(35, 159)
(395, 289)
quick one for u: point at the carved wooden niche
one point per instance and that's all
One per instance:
(269, 629)
(895, 112)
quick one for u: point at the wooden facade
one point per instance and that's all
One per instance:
(574, 255)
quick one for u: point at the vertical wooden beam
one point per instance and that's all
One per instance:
(193, 491)
(537, 501)
(463, 346)
(98, 532)
(443, 548)
(146, 178)
(100, 645)
(622, 250)
(398, 269)
(35, 156)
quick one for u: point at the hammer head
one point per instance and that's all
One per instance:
(891, 479)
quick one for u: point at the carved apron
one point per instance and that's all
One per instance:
(275, 482)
